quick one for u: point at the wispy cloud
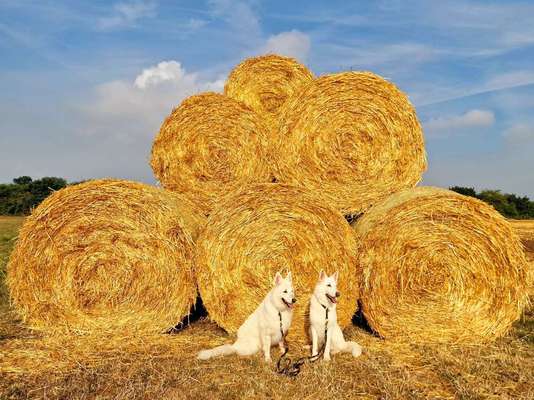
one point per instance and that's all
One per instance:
(450, 125)
(363, 55)
(511, 79)
(36, 43)
(126, 15)
(292, 44)
(494, 83)
(500, 26)
(238, 14)
(519, 134)
(195, 23)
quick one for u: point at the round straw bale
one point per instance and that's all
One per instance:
(440, 267)
(106, 255)
(353, 136)
(209, 145)
(264, 83)
(265, 228)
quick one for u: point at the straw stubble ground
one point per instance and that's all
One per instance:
(165, 367)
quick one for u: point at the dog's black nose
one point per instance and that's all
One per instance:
(338, 294)
(294, 300)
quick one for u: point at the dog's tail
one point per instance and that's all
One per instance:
(224, 350)
(354, 348)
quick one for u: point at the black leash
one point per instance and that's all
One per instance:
(286, 366)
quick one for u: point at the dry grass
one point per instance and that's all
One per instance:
(265, 83)
(524, 228)
(265, 228)
(209, 145)
(439, 266)
(106, 254)
(9, 227)
(164, 366)
(352, 136)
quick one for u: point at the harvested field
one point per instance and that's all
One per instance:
(164, 366)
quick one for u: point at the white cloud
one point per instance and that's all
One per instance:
(394, 58)
(511, 79)
(518, 39)
(519, 134)
(138, 108)
(503, 26)
(127, 14)
(292, 44)
(195, 23)
(413, 53)
(437, 94)
(238, 14)
(164, 71)
(444, 126)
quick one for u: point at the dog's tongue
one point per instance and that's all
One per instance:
(332, 299)
(290, 305)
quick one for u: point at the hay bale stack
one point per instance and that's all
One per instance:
(265, 228)
(440, 267)
(209, 145)
(106, 255)
(264, 84)
(354, 137)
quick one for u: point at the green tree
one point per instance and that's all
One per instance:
(500, 202)
(22, 180)
(466, 191)
(523, 205)
(19, 197)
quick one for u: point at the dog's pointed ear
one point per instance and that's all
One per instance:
(288, 277)
(277, 279)
(335, 276)
(322, 275)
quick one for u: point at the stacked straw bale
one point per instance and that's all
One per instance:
(440, 267)
(106, 255)
(209, 145)
(265, 228)
(434, 265)
(353, 136)
(265, 83)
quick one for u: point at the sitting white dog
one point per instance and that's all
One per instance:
(261, 330)
(324, 298)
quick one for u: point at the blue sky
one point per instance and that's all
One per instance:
(84, 86)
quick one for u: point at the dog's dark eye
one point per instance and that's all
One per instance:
(285, 291)
(329, 285)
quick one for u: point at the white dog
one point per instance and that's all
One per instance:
(261, 330)
(325, 297)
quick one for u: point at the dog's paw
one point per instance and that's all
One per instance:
(203, 355)
(327, 358)
(268, 360)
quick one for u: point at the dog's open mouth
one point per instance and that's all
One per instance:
(288, 304)
(332, 299)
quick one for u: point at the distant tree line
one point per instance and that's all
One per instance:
(509, 205)
(19, 197)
